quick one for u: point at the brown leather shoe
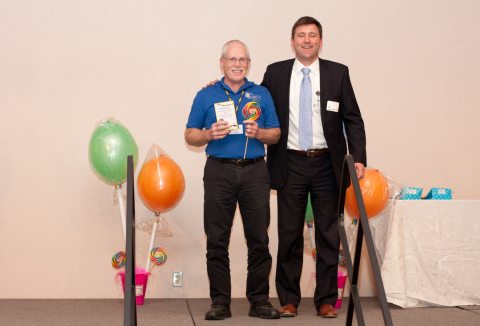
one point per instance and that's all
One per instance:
(288, 310)
(327, 311)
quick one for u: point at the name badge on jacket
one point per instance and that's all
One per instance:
(332, 106)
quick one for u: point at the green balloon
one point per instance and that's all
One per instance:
(309, 212)
(110, 145)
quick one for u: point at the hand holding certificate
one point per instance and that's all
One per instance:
(226, 111)
(219, 130)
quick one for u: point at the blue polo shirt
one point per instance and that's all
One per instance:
(202, 116)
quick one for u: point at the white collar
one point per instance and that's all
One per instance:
(314, 67)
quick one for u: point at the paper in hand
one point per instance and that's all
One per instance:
(226, 111)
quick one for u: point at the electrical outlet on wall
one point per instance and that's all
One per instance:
(177, 279)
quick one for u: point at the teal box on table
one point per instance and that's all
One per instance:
(439, 194)
(411, 193)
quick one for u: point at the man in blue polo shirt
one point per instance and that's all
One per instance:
(235, 118)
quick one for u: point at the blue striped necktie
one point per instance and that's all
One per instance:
(305, 133)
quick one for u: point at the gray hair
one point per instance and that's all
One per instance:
(226, 45)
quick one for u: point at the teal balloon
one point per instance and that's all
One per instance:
(309, 212)
(110, 145)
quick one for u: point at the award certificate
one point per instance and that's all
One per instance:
(226, 111)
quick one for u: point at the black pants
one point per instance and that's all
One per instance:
(314, 175)
(225, 185)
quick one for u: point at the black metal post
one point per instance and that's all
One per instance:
(349, 175)
(130, 307)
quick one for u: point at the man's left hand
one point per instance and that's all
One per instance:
(251, 129)
(360, 168)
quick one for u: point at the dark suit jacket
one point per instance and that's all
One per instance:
(335, 86)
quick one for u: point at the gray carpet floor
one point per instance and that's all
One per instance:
(179, 312)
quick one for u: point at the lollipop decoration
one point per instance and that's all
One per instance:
(158, 256)
(110, 144)
(251, 112)
(311, 232)
(163, 230)
(109, 147)
(375, 192)
(160, 185)
(342, 272)
(309, 236)
(309, 221)
(119, 259)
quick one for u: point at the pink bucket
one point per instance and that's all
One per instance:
(141, 279)
(341, 279)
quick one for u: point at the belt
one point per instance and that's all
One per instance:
(236, 162)
(310, 152)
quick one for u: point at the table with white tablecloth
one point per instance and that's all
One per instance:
(429, 252)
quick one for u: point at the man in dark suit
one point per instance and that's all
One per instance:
(316, 106)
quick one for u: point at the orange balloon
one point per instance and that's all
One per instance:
(374, 189)
(160, 184)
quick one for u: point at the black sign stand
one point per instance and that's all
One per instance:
(349, 174)
(130, 307)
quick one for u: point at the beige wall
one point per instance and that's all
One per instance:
(64, 65)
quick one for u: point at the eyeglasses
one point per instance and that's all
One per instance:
(233, 60)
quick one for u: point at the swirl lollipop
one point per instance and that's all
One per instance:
(158, 256)
(118, 260)
(251, 112)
